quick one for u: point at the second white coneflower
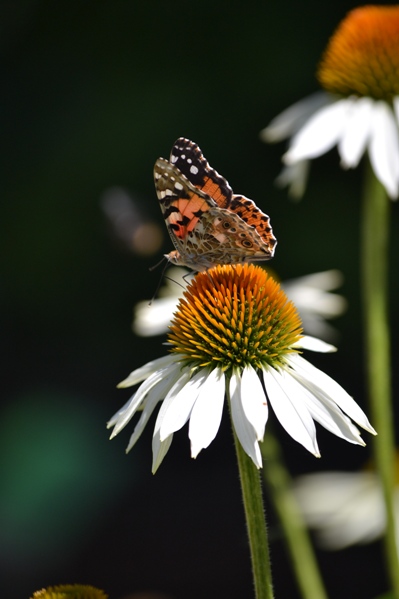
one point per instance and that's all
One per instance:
(359, 109)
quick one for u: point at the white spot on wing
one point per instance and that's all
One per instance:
(193, 169)
(178, 186)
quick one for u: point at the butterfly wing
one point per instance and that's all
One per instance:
(203, 233)
(188, 158)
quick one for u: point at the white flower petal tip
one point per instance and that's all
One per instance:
(125, 383)
(293, 118)
(295, 178)
(142, 373)
(314, 344)
(328, 402)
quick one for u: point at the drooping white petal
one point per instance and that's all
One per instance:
(245, 431)
(130, 407)
(159, 450)
(158, 381)
(291, 120)
(319, 134)
(141, 373)
(314, 344)
(292, 414)
(354, 139)
(317, 378)
(384, 148)
(178, 412)
(344, 507)
(326, 412)
(254, 401)
(207, 412)
(148, 409)
(161, 447)
(154, 396)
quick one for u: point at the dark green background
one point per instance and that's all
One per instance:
(92, 93)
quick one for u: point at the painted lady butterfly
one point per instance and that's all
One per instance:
(208, 224)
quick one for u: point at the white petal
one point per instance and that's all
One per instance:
(207, 412)
(326, 412)
(179, 410)
(292, 119)
(158, 380)
(154, 319)
(130, 407)
(384, 148)
(309, 300)
(159, 450)
(355, 137)
(157, 393)
(291, 412)
(345, 507)
(295, 177)
(141, 373)
(254, 401)
(149, 407)
(317, 378)
(320, 133)
(245, 431)
(314, 344)
(325, 279)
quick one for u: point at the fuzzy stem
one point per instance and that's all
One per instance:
(256, 523)
(374, 256)
(299, 546)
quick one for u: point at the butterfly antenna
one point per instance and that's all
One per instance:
(160, 278)
(157, 264)
(177, 282)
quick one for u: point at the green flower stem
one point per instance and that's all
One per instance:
(374, 252)
(296, 536)
(256, 523)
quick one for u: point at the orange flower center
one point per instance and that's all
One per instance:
(70, 591)
(234, 315)
(362, 57)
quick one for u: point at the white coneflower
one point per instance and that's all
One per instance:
(236, 335)
(359, 110)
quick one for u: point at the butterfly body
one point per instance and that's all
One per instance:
(207, 223)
